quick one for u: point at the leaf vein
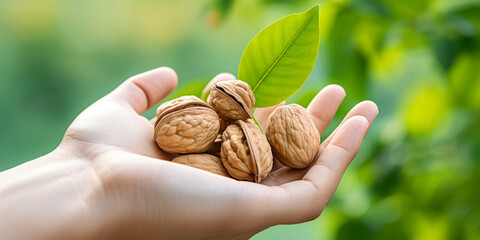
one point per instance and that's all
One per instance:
(283, 53)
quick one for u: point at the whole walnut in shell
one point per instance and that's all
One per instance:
(203, 161)
(245, 151)
(186, 125)
(293, 136)
(232, 100)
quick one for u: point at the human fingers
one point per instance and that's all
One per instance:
(323, 107)
(305, 199)
(153, 120)
(219, 78)
(222, 77)
(367, 109)
(144, 90)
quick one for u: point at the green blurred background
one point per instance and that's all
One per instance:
(416, 177)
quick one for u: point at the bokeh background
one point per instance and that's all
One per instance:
(416, 177)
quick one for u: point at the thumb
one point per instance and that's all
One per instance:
(144, 90)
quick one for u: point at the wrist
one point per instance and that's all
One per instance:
(88, 218)
(49, 198)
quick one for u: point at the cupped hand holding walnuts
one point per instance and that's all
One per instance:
(189, 125)
(116, 183)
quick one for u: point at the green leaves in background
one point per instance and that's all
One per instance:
(279, 59)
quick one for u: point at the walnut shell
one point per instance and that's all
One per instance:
(186, 125)
(223, 125)
(232, 100)
(203, 161)
(215, 148)
(245, 151)
(293, 136)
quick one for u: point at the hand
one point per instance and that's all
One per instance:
(107, 179)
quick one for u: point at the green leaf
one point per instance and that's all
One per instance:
(278, 61)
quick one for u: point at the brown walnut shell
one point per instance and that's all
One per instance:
(232, 100)
(216, 146)
(223, 125)
(293, 136)
(203, 161)
(186, 125)
(245, 151)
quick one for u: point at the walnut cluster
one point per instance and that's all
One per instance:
(220, 136)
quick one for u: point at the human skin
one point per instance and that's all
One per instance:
(107, 179)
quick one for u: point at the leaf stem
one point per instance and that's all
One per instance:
(258, 124)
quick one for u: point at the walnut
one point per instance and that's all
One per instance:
(203, 161)
(215, 147)
(186, 125)
(245, 151)
(223, 125)
(293, 136)
(232, 100)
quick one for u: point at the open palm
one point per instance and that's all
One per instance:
(141, 196)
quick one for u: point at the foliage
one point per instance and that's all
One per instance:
(279, 59)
